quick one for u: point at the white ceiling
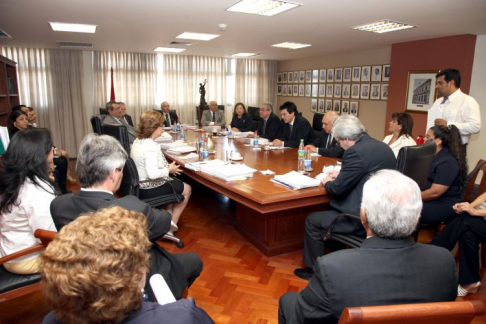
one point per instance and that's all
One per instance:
(140, 26)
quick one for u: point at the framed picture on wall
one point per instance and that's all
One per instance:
(355, 90)
(308, 90)
(295, 93)
(308, 76)
(279, 77)
(322, 75)
(347, 75)
(314, 105)
(301, 76)
(365, 91)
(375, 91)
(284, 90)
(376, 73)
(356, 77)
(366, 73)
(338, 75)
(279, 90)
(384, 91)
(328, 105)
(322, 90)
(421, 92)
(315, 76)
(315, 88)
(354, 108)
(337, 90)
(329, 90)
(296, 77)
(346, 93)
(386, 73)
(336, 106)
(290, 77)
(320, 107)
(301, 90)
(345, 107)
(330, 75)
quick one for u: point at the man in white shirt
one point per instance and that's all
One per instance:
(457, 108)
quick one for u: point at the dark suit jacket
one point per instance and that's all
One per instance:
(362, 159)
(66, 208)
(334, 150)
(273, 128)
(244, 124)
(380, 272)
(129, 120)
(301, 130)
(173, 118)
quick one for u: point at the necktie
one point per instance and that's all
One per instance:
(291, 128)
(329, 140)
(444, 100)
(264, 126)
(167, 121)
(214, 117)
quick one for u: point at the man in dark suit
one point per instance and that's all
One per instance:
(99, 168)
(170, 117)
(362, 157)
(269, 125)
(389, 267)
(325, 144)
(213, 116)
(114, 117)
(296, 127)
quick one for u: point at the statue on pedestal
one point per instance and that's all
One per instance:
(202, 100)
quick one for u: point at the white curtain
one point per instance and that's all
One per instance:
(135, 79)
(182, 76)
(256, 82)
(50, 81)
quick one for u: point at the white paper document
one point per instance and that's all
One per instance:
(181, 149)
(295, 180)
(166, 146)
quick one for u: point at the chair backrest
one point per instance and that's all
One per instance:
(460, 312)
(220, 107)
(416, 161)
(471, 189)
(255, 116)
(96, 124)
(119, 132)
(103, 111)
(317, 122)
(129, 184)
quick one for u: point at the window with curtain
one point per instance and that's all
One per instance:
(255, 82)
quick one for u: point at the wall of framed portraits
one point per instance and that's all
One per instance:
(350, 83)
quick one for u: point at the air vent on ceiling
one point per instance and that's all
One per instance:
(4, 34)
(75, 44)
(181, 43)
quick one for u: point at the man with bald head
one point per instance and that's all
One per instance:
(325, 144)
(170, 117)
(213, 116)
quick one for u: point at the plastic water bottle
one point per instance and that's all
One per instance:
(308, 160)
(230, 132)
(174, 127)
(255, 139)
(182, 136)
(178, 126)
(205, 152)
(300, 157)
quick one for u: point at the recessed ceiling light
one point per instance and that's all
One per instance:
(169, 49)
(197, 36)
(75, 28)
(291, 45)
(245, 54)
(263, 7)
(383, 26)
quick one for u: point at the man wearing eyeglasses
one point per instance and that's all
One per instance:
(269, 125)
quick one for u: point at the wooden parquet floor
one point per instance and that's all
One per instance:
(238, 284)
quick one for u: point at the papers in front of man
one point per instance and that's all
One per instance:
(326, 170)
(295, 180)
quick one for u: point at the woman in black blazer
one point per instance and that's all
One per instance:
(241, 122)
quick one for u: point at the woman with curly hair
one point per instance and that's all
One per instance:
(26, 193)
(152, 165)
(447, 175)
(94, 271)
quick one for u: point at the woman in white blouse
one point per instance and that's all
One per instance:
(401, 127)
(152, 165)
(26, 193)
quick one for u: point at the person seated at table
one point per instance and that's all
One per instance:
(447, 175)
(469, 229)
(95, 269)
(295, 128)
(242, 121)
(400, 126)
(213, 116)
(269, 125)
(26, 192)
(18, 120)
(326, 144)
(152, 165)
(115, 117)
(170, 117)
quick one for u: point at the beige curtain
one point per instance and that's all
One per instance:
(135, 78)
(182, 76)
(256, 82)
(50, 81)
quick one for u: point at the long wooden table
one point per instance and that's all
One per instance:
(269, 215)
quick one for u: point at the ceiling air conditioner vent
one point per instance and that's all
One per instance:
(4, 34)
(181, 43)
(75, 44)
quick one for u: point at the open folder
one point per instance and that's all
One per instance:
(295, 180)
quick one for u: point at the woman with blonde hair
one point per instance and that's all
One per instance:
(94, 270)
(152, 165)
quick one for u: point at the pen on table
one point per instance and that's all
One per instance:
(282, 183)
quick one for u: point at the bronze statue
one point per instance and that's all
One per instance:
(202, 100)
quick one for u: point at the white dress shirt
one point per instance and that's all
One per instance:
(402, 141)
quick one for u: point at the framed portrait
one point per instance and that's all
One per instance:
(284, 77)
(336, 106)
(338, 75)
(365, 91)
(346, 92)
(354, 108)
(328, 105)
(308, 89)
(314, 105)
(376, 73)
(296, 90)
(279, 90)
(308, 76)
(279, 77)
(421, 92)
(345, 107)
(356, 76)
(301, 90)
(366, 73)
(330, 75)
(386, 73)
(355, 90)
(320, 107)
(375, 91)
(347, 74)
(384, 91)
(329, 90)
(322, 90)
(322, 75)
(290, 77)
(296, 77)
(301, 76)
(315, 76)
(337, 90)
(315, 89)
(284, 90)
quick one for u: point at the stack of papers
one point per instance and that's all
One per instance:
(190, 127)
(229, 172)
(196, 166)
(295, 180)
(164, 138)
(181, 149)
(212, 129)
(166, 146)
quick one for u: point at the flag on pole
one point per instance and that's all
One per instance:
(112, 95)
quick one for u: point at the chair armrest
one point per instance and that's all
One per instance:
(45, 236)
(22, 253)
(327, 236)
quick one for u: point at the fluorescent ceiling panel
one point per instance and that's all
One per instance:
(74, 28)
(169, 49)
(245, 54)
(263, 7)
(291, 45)
(383, 26)
(197, 36)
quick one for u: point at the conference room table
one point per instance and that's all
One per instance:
(269, 215)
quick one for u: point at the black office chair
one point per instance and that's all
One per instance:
(255, 116)
(413, 161)
(317, 123)
(103, 111)
(119, 132)
(96, 124)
